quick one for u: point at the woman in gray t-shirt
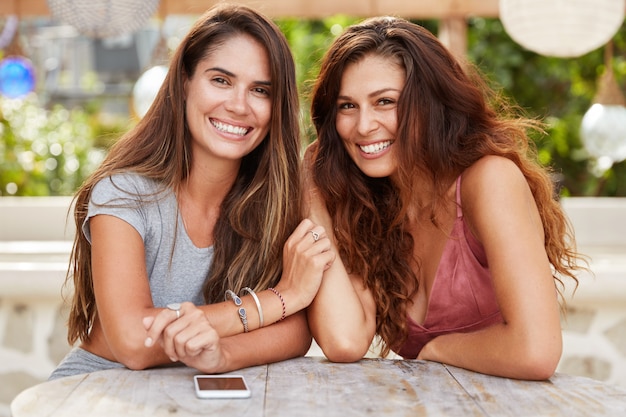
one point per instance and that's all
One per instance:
(190, 229)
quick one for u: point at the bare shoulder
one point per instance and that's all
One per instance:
(492, 168)
(494, 190)
(494, 176)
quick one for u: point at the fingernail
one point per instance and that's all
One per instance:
(173, 359)
(148, 342)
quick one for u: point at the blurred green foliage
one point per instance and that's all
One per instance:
(46, 151)
(51, 151)
(559, 92)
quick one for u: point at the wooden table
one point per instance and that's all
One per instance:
(312, 386)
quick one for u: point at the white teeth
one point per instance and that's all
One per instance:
(223, 127)
(375, 147)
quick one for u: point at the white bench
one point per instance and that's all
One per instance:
(36, 236)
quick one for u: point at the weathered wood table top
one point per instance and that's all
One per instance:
(312, 386)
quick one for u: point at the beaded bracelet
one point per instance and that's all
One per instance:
(257, 302)
(282, 301)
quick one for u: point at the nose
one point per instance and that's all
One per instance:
(367, 122)
(237, 101)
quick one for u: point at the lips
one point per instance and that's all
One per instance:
(374, 148)
(228, 128)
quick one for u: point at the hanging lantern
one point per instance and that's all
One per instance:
(17, 77)
(603, 128)
(562, 28)
(103, 18)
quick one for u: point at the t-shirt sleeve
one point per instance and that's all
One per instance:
(122, 196)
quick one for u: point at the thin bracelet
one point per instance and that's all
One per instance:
(282, 301)
(244, 319)
(257, 302)
(234, 296)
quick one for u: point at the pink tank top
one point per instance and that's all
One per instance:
(462, 297)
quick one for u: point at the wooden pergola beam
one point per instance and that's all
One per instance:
(420, 9)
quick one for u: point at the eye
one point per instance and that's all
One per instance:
(345, 106)
(262, 91)
(384, 101)
(220, 80)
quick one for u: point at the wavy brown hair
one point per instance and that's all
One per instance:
(447, 120)
(263, 206)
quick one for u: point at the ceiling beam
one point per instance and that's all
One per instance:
(425, 9)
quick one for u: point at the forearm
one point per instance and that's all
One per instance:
(126, 346)
(284, 340)
(338, 319)
(500, 350)
(274, 306)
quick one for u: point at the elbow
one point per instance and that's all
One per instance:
(136, 363)
(539, 363)
(540, 368)
(134, 357)
(305, 346)
(344, 350)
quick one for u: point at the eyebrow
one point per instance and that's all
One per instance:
(372, 94)
(230, 74)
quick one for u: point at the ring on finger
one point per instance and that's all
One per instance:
(175, 307)
(316, 236)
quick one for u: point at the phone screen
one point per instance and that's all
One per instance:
(221, 386)
(221, 383)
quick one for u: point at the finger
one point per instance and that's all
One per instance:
(206, 339)
(192, 322)
(303, 229)
(147, 322)
(159, 323)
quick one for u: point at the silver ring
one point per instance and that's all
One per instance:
(316, 236)
(175, 307)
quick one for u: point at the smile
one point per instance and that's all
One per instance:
(226, 128)
(375, 147)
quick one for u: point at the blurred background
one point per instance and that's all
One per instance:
(75, 75)
(82, 80)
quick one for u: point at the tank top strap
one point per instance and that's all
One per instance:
(459, 210)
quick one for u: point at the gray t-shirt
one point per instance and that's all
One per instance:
(176, 268)
(174, 276)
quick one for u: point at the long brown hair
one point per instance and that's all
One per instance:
(263, 206)
(447, 119)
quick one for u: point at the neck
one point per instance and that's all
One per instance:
(206, 187)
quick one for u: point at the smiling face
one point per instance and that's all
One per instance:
(228, 101)
(367, 117)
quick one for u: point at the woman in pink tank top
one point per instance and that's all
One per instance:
(452, 246)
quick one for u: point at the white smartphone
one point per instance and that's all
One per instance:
(221, 386)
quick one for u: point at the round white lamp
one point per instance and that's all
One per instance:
(146, 89)
(562, 28)
(603, 128)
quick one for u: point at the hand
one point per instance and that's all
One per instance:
(189, 339)
(306, 255)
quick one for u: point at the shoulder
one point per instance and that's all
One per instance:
(491, 175)
(126, 185)
(493, 189)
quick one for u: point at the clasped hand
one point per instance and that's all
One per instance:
(190, 339)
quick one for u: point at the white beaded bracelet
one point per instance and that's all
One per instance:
(257, 302)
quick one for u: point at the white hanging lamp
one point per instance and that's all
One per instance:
(103, 18)
(562, 28)
(603, 128)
